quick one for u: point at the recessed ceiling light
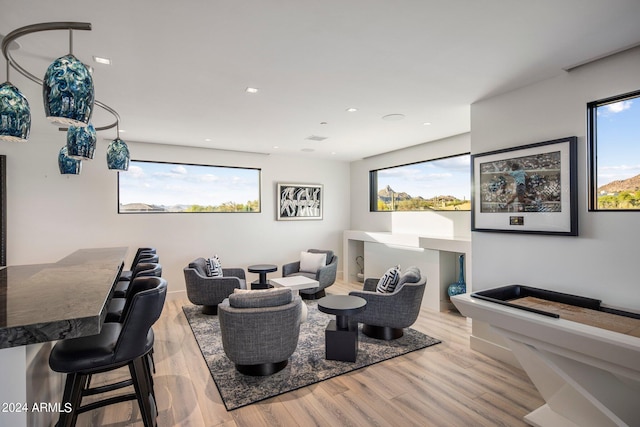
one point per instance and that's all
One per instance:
(427, 123)
(352, 110)
(276, 147)
(100, 60)
(207, 139)
(393, 117)
(122, 131)
(333, 153)
(251, 90)
(316, 138)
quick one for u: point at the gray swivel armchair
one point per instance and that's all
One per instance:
(326, 275)
(260, 329)
(210, 291)
(387, 314)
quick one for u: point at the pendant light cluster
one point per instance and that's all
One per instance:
(69, 99)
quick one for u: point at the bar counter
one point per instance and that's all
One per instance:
(66, 299)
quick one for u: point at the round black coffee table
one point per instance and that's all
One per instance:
(262, 270)
(342, 306)
(341, 338)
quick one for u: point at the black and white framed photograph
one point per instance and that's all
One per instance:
(299, 201)
(526, 189)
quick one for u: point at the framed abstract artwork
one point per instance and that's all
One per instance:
(526, 189)
(299, 201)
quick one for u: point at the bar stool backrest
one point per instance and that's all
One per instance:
(145, 310)
(139, 284)
(139, 252)
(145, 257)
(147, 269)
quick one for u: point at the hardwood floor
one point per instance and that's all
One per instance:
(443, 385)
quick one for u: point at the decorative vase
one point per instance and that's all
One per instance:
(360, 262)
(460, 287)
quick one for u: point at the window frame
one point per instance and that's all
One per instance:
(259, 170)
(592, 128)
(373, 183)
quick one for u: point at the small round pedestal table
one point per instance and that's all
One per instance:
(262, 270)
(341, 338)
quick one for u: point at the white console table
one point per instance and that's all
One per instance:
(435, 256)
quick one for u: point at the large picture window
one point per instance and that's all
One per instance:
(158, 187)
(614, 153)
(435, 185)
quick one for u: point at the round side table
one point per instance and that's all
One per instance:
(262, 270)
(341, 338)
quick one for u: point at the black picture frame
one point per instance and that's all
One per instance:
(3, 210)
(526, 189)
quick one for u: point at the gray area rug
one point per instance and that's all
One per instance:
(306, 366)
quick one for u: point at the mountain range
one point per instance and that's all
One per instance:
(386, 193)
(630, 184)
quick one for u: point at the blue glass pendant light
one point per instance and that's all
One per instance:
(67, 90)
(81, 142)
(69, 100)
(68, 165)
(118, 155)
(15, 114)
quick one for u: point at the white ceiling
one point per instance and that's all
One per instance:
(180, 68)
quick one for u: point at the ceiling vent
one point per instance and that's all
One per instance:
(316, 138)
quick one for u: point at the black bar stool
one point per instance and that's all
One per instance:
(119, 306)
(117, 345)
(140, 253)
(141, 269)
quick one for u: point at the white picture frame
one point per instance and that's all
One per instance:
(299, 202)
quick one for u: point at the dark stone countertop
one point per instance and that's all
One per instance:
(66, 299)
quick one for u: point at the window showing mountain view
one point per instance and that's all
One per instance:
(433, 185)
(157, 187)
(614, 137)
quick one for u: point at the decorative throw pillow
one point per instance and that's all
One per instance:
(311, 263)
(214, 268)
(410, 275)
(389, 280)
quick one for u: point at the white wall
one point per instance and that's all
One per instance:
(601, 262)
(51, 215)
(439, 267)
(423, 223)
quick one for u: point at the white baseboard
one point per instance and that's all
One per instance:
(493, 350)
(173, 295)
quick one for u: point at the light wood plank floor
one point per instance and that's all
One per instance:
(443, 385)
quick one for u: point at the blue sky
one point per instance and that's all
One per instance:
(429, 179)
(618, 141)
(618, 158)
(172, 184)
